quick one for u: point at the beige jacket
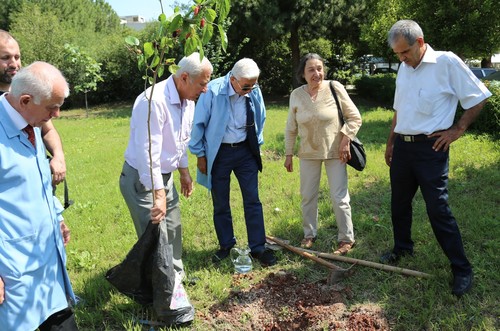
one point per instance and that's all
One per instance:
(317, 123)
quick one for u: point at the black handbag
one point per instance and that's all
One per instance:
(358, 154)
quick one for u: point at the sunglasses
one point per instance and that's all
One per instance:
(246, 88)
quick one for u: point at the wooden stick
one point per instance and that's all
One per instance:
(370, 264)
(305, 254)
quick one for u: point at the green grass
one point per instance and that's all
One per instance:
(102, 232)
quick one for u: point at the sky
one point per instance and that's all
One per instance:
(149, 9)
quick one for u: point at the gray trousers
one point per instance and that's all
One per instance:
(140, 201)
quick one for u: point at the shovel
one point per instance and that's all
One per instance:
(336, 273)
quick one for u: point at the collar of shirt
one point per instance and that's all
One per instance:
(13, 114)
(172, 94)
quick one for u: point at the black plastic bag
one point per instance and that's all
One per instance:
(147, 276)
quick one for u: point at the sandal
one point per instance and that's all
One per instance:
(307, 242)
(343, 248)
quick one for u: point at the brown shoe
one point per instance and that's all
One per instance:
(307, 242)
(343, 248)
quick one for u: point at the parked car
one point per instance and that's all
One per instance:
(493, 76)
(483, 72)
(384, 71)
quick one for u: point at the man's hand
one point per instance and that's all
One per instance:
(66, 233)
(2, 291)
(186, 182)
(445, 138)
(58, 169)
(202, 164)
(388, 154)
(159, 209)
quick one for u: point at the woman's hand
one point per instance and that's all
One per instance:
(345, 149)
(288, 163)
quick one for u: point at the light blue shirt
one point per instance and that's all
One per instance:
(211, 118)
(33, 258)
(236, 126)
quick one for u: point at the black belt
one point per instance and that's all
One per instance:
(414, 138)
(234, 144)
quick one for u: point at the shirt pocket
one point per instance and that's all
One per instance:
(426, 101)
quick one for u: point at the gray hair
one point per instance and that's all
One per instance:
(193, 66)
(407, 29)
(245, 68)
(302, 66)
(37, 80)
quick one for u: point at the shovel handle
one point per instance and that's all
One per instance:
(305, 254)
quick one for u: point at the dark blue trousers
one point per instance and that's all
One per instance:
(244, 165)
(414, 165)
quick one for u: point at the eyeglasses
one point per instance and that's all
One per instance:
(246, 88)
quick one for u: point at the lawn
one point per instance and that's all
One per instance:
(103, 233)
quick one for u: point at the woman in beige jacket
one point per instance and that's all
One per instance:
(313, 117)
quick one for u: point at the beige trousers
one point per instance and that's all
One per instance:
(310, 176)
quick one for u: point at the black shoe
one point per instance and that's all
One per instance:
(266, 257)
(392, 257)
(221, 254)
(462, 284)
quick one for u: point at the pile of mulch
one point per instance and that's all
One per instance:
(282, 302)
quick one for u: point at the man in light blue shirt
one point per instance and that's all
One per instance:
(34, 283)
(227, 132)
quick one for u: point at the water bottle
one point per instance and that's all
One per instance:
(241, 259)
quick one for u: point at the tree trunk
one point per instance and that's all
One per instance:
(294, 47)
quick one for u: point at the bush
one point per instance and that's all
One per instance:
(379, 88)
(488, 120)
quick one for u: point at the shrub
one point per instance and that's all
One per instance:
(488, 120)
(379, 88)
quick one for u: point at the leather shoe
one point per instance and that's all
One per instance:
(221, 254)
(462, 284)
(393, 257)
(266, 257)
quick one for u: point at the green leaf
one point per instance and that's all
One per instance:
(162, 17)
(176, 23)
(155, 61)
(208, 32)
(161, 70)
(148, 49)
(211, 15)
(173, 68)
(190, 46)
(132, 41)
(223, 38)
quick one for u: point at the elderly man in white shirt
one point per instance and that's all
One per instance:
(172, 109)
(429, 86)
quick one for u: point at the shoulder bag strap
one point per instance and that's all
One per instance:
(341, 117)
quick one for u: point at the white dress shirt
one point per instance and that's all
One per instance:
(426, 97)
(171, 123)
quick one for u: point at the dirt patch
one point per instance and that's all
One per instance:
(282, 302)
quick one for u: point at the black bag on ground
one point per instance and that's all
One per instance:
(358, 154)
(147, 276)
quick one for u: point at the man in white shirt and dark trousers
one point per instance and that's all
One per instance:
(172, 109)
(429, 85)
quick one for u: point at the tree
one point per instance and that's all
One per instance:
(83, 72)
(468, 28)
(192, 30)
